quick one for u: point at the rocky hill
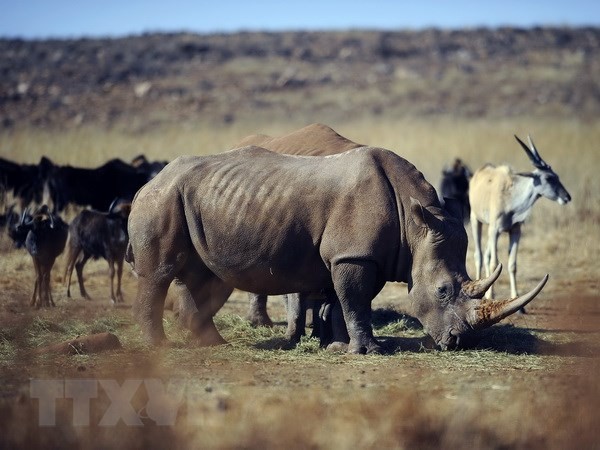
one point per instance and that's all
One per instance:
(141, 81)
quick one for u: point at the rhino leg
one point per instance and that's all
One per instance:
(148, 308)
(355, 283)
(201, 295)
(257, 311)
(295, 305)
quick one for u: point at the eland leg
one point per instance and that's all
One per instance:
(476, 231)
(514, 236)
(491, 257)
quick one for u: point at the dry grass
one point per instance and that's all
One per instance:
(527, 385)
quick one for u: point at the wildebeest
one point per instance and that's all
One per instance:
(455, 185)
(26, 182)
(96, 187)
(274, 224)
(45, 238)
(95, 234)
(312, 140)
(150, 168)
(503, 199)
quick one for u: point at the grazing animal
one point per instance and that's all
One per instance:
(151, 169)
(11, 221)
(95, 188)
(25, 182)
(312, 140)
(503, 199)
(96, 235)
(45, 238)
(275, 224)
(455, 185)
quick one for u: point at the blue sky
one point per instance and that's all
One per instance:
(77, 18)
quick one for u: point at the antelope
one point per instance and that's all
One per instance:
(44, 234)
(503, 199)
(96, 235)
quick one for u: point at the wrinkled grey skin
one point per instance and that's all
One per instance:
(358, 219)
(312, 140)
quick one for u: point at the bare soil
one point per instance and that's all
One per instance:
(529, 383)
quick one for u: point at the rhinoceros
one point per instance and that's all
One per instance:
(312, 140)
(275, 224)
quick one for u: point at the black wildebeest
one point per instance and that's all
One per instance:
(97, 187)
(25, 182)
(455, 185)
(96, 235)
(45, 237)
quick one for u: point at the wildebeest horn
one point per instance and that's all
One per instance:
(477, 288)
(113, 204)
(51, 217)
(487, 312)
(23, 214)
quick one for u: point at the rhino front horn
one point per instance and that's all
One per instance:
(487, 312)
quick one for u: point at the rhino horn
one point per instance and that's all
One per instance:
(477, 288)
(485, 313)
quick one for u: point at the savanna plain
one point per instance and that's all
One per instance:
(531, 382)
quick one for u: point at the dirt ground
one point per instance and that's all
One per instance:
(531, 382)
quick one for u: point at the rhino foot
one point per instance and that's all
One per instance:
(260, 320)
(337, 347)
(371, 348)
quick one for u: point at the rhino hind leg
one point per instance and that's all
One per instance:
(257, 311)
(355, 283)
(201, 295)
(148, 308)
(295, 307)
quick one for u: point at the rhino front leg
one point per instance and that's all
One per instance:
(257, 311)
(355, 283)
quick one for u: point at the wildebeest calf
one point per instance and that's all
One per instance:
(45, 238)
(96, 235)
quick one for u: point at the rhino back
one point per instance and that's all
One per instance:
(313, 140)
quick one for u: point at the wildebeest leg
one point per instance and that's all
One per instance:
(119, 277)
(353, 282)
(71, 259)
(45, 270)
(257, 311)
(111, 274)
(79, 268)
(35, 285)
(513, 247)
(295, 306)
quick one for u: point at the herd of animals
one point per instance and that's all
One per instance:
(310, 215)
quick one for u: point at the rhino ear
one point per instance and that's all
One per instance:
(422, 217)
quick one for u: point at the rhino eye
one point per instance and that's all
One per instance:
(444, 291)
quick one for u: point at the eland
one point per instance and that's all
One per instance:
(503, 199)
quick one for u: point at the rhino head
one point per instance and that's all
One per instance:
(446, 301)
